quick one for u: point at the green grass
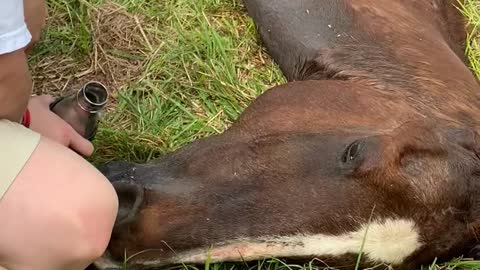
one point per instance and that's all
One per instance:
(201, 65)
(178, 70)
(471, 10)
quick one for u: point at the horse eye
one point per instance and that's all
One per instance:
(352, 151)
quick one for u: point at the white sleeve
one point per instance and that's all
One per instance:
(14, 33)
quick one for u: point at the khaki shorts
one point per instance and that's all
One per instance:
(17, 144)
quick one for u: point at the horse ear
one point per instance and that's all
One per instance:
(436, 135)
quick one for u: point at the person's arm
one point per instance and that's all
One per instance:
(15, 85)
(20, 27)
(15, 80)
(15, 89)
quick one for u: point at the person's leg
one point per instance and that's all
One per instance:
(56, 210)
(59, 211)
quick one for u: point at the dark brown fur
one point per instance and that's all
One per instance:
(389, 75)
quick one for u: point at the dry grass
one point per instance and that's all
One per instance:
(117, 56)
(177, 71)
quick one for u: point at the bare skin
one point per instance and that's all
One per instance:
(58, 218)
(64, 224)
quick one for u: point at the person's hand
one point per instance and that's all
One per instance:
(50, 125)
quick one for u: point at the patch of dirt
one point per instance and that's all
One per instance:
(120, 49)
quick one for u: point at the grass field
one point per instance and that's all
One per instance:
(178, 70)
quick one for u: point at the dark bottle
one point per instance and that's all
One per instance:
(81, 109)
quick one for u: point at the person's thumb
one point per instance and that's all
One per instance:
(46, 99)
(81, 145)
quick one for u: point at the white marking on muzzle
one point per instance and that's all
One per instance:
(390, 242)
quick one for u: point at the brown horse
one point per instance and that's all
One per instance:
(371, 146)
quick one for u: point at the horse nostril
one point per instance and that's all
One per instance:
(117, 170)
(130, 196)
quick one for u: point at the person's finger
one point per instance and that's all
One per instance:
(45, 99)
(81, 145)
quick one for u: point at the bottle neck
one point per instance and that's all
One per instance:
(92, 97)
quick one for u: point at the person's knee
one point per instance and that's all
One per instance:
(70, 201)
(95, 213)
(98, 223)
(95, 217)
(93, 207)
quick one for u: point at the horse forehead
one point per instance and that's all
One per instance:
(403, 13)
(379, 7)
(323, 106)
